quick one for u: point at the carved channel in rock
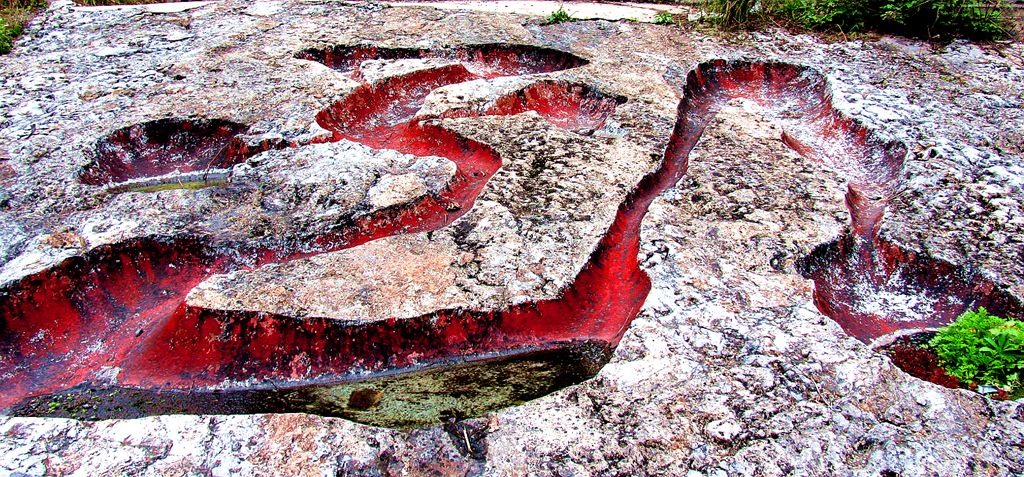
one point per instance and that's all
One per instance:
(172, 151)
(77, 321)
(109, 334)
(160, 356)
(877, 291)
(571, 106)
(486, 60)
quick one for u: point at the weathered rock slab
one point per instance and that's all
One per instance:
(729, 369)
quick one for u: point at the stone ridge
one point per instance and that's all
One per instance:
(531, 231)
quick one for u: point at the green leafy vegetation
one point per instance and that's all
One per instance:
(8, 33)
(982, 349)
(664, 18)
(730, 14)
(559, 16)
(913, 18)
(14, 16)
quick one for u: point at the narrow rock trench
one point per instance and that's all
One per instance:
(109, 334)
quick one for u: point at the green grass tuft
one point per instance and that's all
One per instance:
(664, 18)
(14, 17)
(559, 16)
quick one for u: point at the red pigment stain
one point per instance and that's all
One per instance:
(566, 105)
(871, 287)
(162, 147)
(169, 346)
(62, 325)
(608, 293)
(876, 288)
(122, 307)
(908, 354)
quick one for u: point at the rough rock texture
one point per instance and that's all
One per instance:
(728, 370)
(530, 232)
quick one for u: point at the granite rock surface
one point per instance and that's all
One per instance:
(729, 369)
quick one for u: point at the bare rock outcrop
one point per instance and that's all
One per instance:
(305, 169)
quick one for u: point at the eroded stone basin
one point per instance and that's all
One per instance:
(878, 291)
(576, 107)
(160, 355)
(162, 147)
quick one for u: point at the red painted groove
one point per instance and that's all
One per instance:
(566, 105)
(114, 292)
(167, 346)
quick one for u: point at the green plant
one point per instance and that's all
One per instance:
(664, 18)
(980, 348)
(929, 18)
(8, 33)
(559, 16)
(21, 4)
(914, 18)
(844, 15)
(730, 14)
(14, 16)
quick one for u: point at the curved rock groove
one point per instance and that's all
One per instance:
(109, 332)
(403, 372)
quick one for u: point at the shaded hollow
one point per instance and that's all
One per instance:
(163, 147)
(878, 290)
(910, 354)
(485, 60)
(425, 394)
